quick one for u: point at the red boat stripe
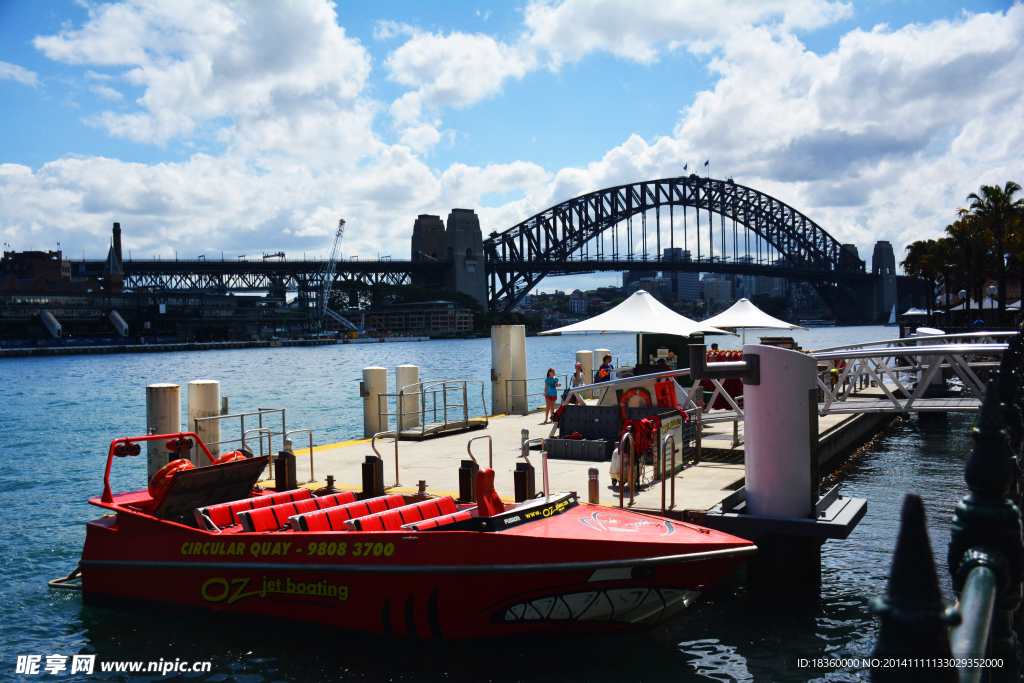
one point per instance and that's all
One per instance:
(432, 569)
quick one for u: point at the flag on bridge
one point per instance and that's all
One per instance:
(707, 162)
(684, 166)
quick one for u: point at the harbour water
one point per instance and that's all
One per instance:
(59, 414)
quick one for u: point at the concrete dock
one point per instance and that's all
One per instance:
(436, 460)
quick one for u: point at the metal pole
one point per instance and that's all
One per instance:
(594, 495)
(547, 485)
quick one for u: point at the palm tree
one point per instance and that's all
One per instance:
(920, 262)
(996, 208)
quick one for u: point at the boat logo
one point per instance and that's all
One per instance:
(603, 521)
(512, 520)
(313, 594)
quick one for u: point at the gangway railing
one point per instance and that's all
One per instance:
(373, 445)
(523, 399)
(427, 408)
(923, 361)
(312, 477)
(259, 414)
(490, 449)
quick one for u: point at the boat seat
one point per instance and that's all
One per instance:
(226, 514)
(438, 521)
(487, 500)
(275, 517)
(392, 520)
(334, 518)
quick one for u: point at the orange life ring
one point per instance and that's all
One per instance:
(161, 481)
(230, 456)
(630, 393)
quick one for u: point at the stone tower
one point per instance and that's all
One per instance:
(428, 237)
(883, 265)
(463, 245)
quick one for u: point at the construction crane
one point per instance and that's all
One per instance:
(327, 275)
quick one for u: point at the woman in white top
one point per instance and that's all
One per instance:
(578, 380)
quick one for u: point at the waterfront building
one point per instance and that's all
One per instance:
(716, 288)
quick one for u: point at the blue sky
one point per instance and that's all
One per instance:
(241, 126)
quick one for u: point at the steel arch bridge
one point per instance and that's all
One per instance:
(585, 234)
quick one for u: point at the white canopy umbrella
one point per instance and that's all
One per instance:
(986, 303)
(641, 313)
(915, 312)
(744, 314)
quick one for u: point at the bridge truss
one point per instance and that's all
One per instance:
(617, 228)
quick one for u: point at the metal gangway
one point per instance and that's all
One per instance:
(903, 371)
(428, 409)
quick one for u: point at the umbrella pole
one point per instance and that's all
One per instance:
(744, 342)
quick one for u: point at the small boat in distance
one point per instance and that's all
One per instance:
(207, 541)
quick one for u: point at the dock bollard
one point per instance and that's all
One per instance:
(163, 416)
(467, 481)
(204, 401)
(285, 478)
(373, 477)
(593, 494)
(526, 437)
(525, 478)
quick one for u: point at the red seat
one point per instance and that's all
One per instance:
(226, 514)
(487, 500)
(334, 518)
(392, 520)
(276, 517)
(438, 521)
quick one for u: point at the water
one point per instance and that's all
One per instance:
(58, 415)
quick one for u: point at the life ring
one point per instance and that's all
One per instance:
(230, 456)
(161, 481)
(630, 393)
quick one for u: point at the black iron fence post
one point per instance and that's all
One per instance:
(914, 619)
(986, 532)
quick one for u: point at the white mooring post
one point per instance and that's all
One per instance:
(163, 416)
(375, 382)
(587, 359)
(410, 405)
(781, 434)
(204, 401)
(517, 349)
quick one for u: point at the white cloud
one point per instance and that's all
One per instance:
(241, 68)
(14, 72)
(106, 92)
(640, 30)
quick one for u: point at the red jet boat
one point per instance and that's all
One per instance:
(207, 541)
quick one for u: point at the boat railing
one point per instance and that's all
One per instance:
(429, 407)
(490, 449)
(259, 414)
(373, 445)
(973, 337)
(543, 462)
(520, 403)
(287, 444)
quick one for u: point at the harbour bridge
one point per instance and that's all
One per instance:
(683, 224)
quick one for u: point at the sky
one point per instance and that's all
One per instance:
(250, 127)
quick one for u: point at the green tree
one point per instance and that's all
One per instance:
(996, 209)
(922, 262)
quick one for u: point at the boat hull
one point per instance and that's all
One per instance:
(537, 579)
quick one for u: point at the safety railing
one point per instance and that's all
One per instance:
(490, 449)
(373, 445)
(543, 462)
(520, 403)
(432, 407)
(259, 414)
(270, 445)
(923, 361)
(985, 557)
(312, 477)
(669, 439)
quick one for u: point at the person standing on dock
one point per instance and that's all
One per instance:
(604, 373)
(551, 385)
(578, 380)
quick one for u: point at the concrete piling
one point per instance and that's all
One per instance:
(508, 362)
(587, 359)
(163, 416)
(409, 405)
(375, 382)
(204, 401)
